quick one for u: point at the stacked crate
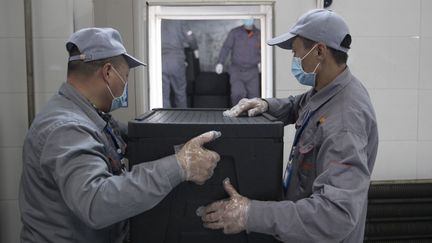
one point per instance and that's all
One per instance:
(399, 212)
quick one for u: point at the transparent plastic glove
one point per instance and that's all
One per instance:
(230, 214)
(196, 54)
(219, 68)
(253, 107)
(196, 161)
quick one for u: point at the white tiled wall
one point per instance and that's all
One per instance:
(386, 62)
(52, 25)
(13, 116)
(9, 221)
(396, 112)
(390, 54)
(424, 155)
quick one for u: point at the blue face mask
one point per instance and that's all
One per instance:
(248, 22)
(298, 72)
(122, 100)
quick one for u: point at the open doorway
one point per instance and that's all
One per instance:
(202, 19)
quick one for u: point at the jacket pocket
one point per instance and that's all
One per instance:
(306, 167)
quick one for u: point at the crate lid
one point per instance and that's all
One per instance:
(192, 122)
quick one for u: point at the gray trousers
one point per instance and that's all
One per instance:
(174, 81)
(245, 83)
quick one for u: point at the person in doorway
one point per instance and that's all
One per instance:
(244, 44)
(327, 178)
(175, 36)
(75, 184)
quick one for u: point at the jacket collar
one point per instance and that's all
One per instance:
(317, 99)
(98, 117)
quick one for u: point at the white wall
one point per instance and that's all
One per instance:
(390, 54)
(12, 124)
(53, 22)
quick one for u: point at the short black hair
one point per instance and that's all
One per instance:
(339, 56)
(89, 68)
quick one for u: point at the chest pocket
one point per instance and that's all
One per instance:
(114, 157)
(306, 171)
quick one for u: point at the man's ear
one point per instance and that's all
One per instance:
(321, 51)
(106, 72)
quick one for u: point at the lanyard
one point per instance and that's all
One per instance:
(118, 164)
(299, 131)
(114, 139)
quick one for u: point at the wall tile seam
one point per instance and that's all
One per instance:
(393, 89)
(403, 140)
(8, 200)
(389, 36)
(10, 147)
(63, 38)
(12, 92)
(11, 37)
(55, 91)
(369, 89)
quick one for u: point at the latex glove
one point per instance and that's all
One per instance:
(259, 67)
(253, 107)
(219, 68)
(197, 162)
(229, 214)
(196, 54)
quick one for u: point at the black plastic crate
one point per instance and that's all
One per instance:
(211, 101)
(251, 152)
(211, 83)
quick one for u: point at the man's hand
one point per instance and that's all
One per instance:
(197, 162)
(230, 214)
(219, 68)
(253, 107)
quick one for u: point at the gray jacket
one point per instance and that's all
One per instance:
(332, 165)
(175, 36)
(69, 191)
(245, 48)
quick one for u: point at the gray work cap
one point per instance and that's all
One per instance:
(318, 25)
(99, 43)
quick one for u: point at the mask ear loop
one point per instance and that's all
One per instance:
(118, 75)
(316, 67)
(309, 51)
(109, 89)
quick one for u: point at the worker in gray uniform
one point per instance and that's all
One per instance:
(244, 44)
(333, 154)
(175, 37)
(75, 184)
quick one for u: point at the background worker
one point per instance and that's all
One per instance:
(176, 35)
(244, 44)
(75, 185)
(333, 154)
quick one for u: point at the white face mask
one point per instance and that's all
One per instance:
(303, 77)
(122, 100)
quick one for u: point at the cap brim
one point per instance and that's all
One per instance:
(132, 61)
(283, 41)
